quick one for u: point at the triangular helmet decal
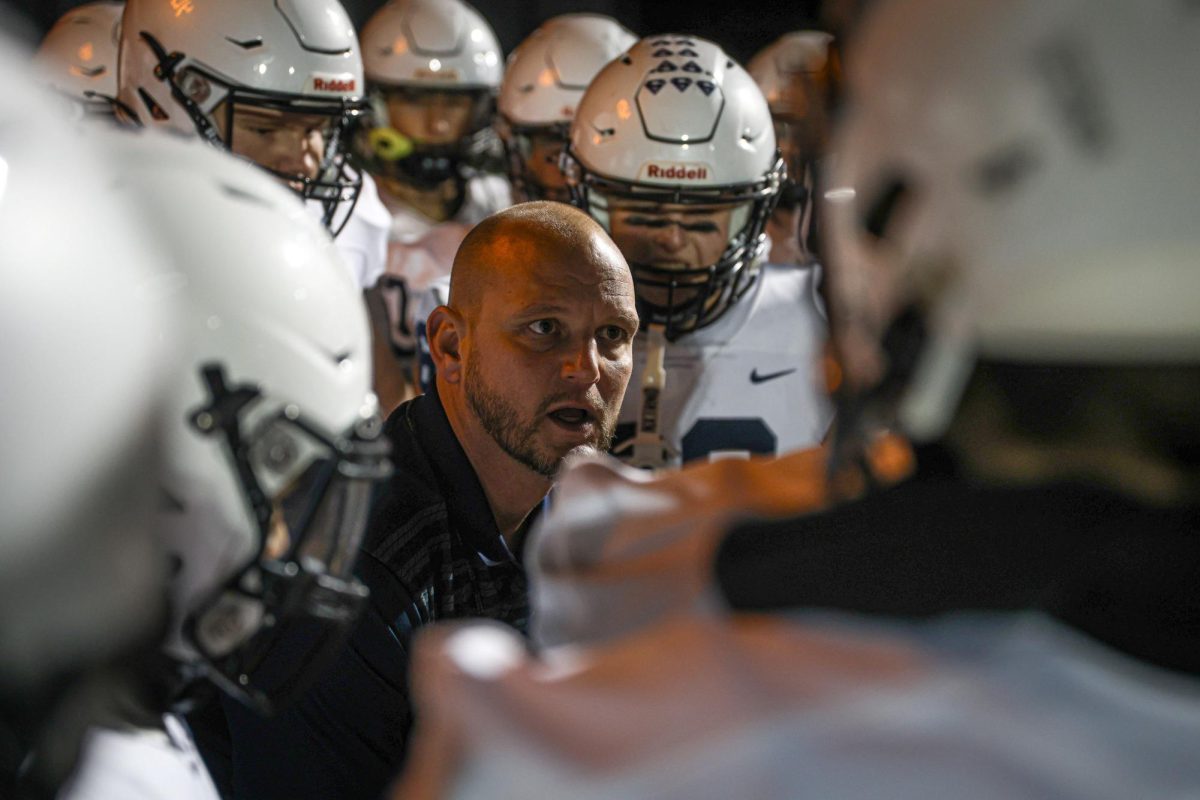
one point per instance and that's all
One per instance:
(706, 86)
(681, 83)
(656, 85)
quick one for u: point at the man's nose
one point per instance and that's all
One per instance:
(582, 365)
(671, 237)
(436, 124)
(294, 154)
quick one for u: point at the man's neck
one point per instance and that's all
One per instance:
(512, 489)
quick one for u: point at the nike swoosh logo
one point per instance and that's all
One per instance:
(770, 376)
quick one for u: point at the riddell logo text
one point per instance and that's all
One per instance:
(333, 85)
(676, 172)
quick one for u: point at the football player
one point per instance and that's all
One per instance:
(280, 84)
(799, 75)
(271, 449)
(672, 150)
(433, 68)
(79, 57)
(86, 375)
(1018, 619)
(543, 81)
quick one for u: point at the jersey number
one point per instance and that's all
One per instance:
(708, 436)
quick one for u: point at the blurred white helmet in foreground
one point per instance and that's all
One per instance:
(79, 56)
(272, 447)
(83, 365)
(544, 80)
(1020, 186)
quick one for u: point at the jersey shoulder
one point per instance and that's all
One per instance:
(486, 194)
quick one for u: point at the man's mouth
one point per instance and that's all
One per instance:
(579, 419)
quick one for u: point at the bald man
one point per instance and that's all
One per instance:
(533, 354)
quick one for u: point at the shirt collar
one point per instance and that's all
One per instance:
(466, 503)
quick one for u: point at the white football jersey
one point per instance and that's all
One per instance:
(991, 707)
(420, 251)
(363, 240)
(141, 764)
(749, 383)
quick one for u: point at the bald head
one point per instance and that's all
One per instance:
(513, 246)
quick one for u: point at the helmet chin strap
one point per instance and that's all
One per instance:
(648, 449)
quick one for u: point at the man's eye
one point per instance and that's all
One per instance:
(647, 222)
(699, 227)
(542, 327)
(613, 333)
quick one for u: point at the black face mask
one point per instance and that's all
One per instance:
(269, 630)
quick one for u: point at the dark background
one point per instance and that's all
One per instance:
(741, 28)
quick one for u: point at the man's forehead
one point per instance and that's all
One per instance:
(565, 284)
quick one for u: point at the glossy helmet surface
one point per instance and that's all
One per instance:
(79, 56)
(544, 80)
(419, 49)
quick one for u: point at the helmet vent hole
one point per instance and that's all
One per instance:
(246, 44)
(156, 111)
(879, 213)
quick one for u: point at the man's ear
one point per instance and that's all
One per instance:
(444, 330)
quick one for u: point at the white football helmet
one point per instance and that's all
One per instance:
(194, 67)
(677, 122)
(273, 447)
(1015, 181)
(414, 49)
(84, 363)
(544, 80)
(79, 56)
(799, 74)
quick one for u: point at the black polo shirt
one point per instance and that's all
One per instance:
(432, 552)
